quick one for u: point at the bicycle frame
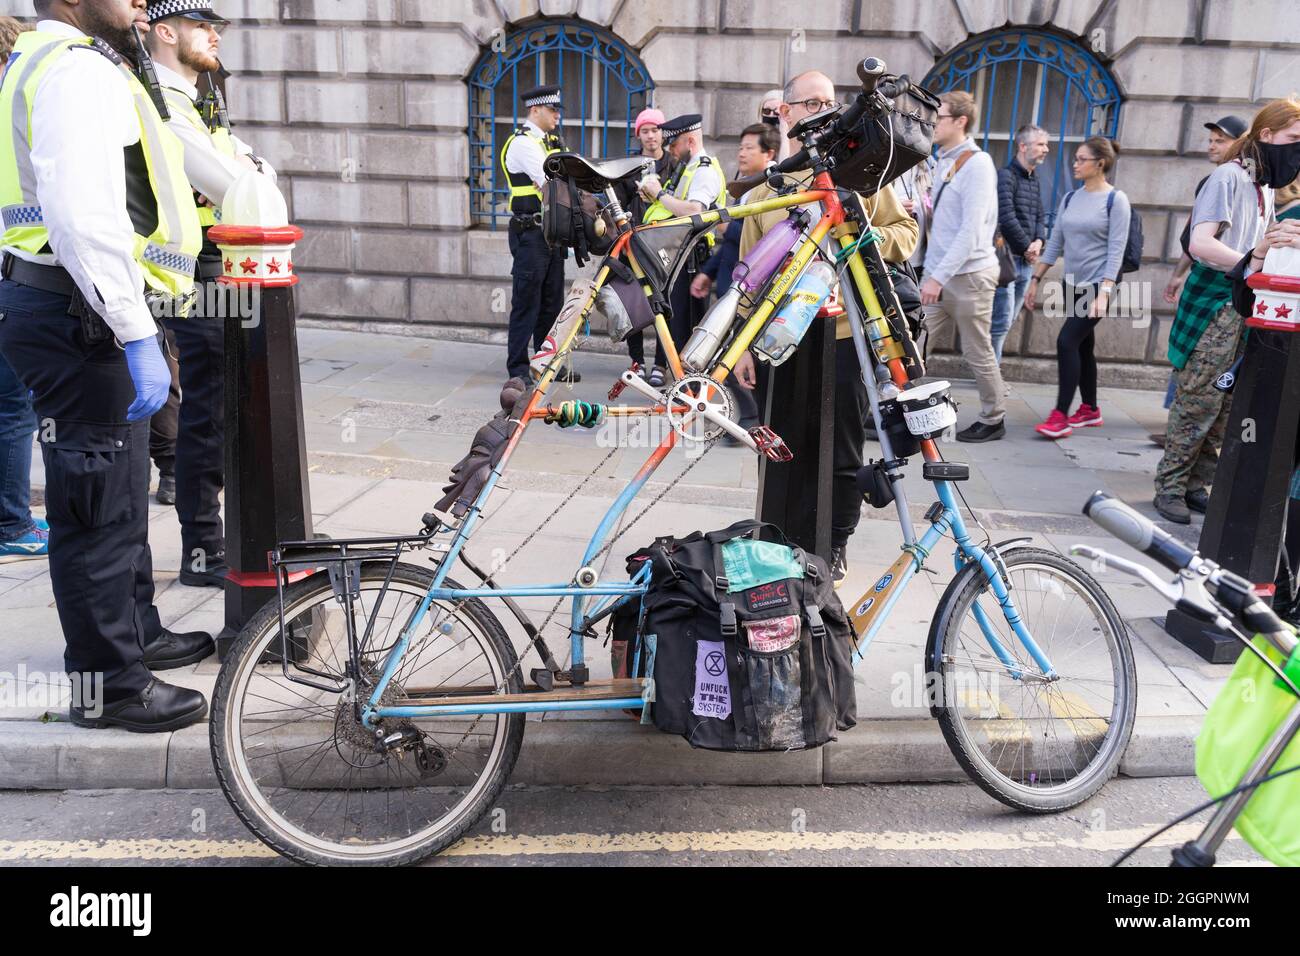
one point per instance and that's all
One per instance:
(874, 343)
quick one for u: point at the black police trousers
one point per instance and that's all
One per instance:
(165, 421)
(848, 436)
(200, 433)
(537, 293)
(96, 486)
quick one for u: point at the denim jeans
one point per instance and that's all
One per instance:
(1007, 302)
(17, 423)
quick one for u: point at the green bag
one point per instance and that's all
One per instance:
(1239, 723)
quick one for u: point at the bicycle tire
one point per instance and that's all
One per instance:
(941, 659)
(225, 734)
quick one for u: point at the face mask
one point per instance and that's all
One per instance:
(772, 120)
(1279, 164)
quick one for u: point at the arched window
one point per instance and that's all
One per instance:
(1033, 77)
(604, 85)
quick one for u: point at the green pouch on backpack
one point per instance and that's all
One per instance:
(748, 563)
(1242, 719)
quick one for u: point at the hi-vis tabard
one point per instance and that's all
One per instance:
(180, 105)
(679, 186)
(522, 188)
(159, 200)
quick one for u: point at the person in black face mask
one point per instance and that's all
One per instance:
(1231, 219)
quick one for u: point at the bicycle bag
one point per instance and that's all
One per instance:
(748, 647)
(884, 146)
(571, 219)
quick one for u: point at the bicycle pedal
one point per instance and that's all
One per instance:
(543, 678)
(616, 389)
(770, 443)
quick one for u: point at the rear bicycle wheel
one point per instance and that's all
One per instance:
(1036, 743)
(300, 769)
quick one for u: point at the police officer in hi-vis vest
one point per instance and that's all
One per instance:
(537, 290)
(183, 40)
(697, 184)
(100, 235)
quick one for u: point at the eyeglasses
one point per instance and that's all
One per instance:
(939, 116)
(814, 105)
(1083, 159)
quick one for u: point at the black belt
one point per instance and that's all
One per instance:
(526, 220)
(55, 279)
(209, 269)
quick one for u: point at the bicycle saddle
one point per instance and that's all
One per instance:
(593, 175)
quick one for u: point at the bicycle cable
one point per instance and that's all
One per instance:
(1204, 806)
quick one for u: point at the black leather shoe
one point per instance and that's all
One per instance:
(981, 432)
(213, 574)
(170, 649)
(166, 490)
(1198, 500)
(157, 708)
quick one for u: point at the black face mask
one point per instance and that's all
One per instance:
(772, 120)
(1279, 164)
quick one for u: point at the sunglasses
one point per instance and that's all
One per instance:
(770, 111)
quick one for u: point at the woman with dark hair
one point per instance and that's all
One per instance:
(1091, 229)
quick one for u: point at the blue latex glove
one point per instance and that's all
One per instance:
(152, 377)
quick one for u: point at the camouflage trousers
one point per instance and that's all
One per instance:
(1199, 414)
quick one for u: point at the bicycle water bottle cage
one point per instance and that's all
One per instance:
(770, 443)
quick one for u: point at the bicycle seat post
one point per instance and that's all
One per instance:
(616, 208)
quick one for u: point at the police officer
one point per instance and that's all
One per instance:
(100, 235)
(537, 290)
(696, 185)
(183, 40)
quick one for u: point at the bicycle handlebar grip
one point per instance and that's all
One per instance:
(1137, 531)
(870, 71)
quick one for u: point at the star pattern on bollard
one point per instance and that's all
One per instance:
(248, 265)
(1282, 311)
(1261, 309)
(273, 266)
(230, 266)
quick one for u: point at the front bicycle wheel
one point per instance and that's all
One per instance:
(1041, 742)
(303, 772)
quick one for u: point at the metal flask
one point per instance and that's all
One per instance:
(707, 337)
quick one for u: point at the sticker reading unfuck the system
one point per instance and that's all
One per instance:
(712, 689)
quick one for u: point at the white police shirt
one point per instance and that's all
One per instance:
(207, 168)
(526, 155)
(83, 117)
(706, 184)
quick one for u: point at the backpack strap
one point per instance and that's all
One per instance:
(727, 618)
(1110, 202)
(1068, 197)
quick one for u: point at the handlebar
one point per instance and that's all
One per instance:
(1138, 531)
(738, 187)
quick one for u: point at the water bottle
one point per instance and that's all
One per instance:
(792, 320)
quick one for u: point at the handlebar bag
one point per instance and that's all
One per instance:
(1242, 719)
(886, 143)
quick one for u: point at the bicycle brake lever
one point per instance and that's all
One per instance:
(1170, 591)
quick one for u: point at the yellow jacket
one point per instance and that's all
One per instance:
(899, 234)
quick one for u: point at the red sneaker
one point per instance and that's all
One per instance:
(1086, 416)
(1056, 426)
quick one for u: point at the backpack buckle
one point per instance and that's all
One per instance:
(815, 623)
(727, 616)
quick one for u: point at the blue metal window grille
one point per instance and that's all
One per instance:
(1029, 76)
(604, 85)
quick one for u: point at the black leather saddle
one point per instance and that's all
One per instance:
(594, 175)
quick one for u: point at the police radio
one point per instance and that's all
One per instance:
(148, 78)
(212, 107)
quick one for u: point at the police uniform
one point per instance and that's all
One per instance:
(100, 234)
(699, 179)
(537, 290)
(212, 164)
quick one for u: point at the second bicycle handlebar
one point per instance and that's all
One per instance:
(1138, 531)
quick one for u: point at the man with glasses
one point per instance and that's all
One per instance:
(183, 40)
(961, 266)
(537, 291)
(806, 94)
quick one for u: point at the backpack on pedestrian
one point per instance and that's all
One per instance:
(745, 644)
(1132, 260)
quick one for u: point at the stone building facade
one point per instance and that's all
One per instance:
(363, 105)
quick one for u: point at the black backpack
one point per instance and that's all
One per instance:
(703, 644)
(1132, 260)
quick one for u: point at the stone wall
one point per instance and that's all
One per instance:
(362, 106)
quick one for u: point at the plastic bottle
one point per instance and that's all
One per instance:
(747, 277)
(792, 320)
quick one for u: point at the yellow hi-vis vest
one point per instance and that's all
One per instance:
(181, 106)
(522, 187)
(680, 187)
(167, 254)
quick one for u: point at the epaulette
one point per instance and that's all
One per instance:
(705, 161)
(102, 48)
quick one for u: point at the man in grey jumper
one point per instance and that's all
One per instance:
(961, 268)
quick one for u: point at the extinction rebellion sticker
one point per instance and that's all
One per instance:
(712, 690)
(884, 582)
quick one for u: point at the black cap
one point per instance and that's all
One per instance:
(686, 123)
(190, 9)
(541, 96)
(1234, 127)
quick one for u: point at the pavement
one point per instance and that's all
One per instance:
(386, 416)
